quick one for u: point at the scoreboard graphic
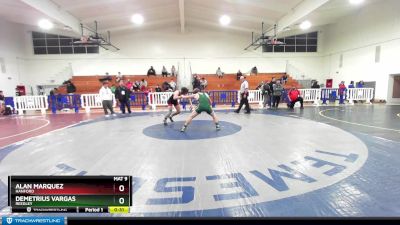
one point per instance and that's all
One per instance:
(70, 194)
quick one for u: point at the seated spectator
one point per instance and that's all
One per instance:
(119, 77)
(158, 89)
(172, 84)
(351, 85)
(196, 82)
(166, 86)
(284, 79)
(219, 73)
(315, 85)
(254, 71)
(143, 85)
(151, 71)
(173, 71)
(2, 103)
(2, 98)
(136, 86)
(108, 77)
(129, 84)
(238, 75)
(164, 72)
(203, 84)
(294, 96)
(277, 89)
(360, 84)
(70, 86)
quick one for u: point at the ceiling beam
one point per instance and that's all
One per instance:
(182, 15)
(55, 12)
(297, 13)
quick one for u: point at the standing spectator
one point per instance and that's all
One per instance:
(244, 94)
(123, 95)
(151, 72)
(271, 88)
(277, 89)
(173, 71)
(259, 87)
(203, 84)
(106, 96)
(254, 71)
(342, 92)
(164, 72)
(284, 79)
(266, 92)
(219, 73)
(238, 75)
(172, 84)
(158, 89)
(143, 85)
(53, 92)
(295, 96)
(113, 88)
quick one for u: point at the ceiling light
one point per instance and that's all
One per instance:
(137, 19)
(356, 2)
(45, 24)
(224, 20)
(305, 25)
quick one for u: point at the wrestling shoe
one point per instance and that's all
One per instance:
(170, 118)
(165, 122)
(183, 128)
(218, 127)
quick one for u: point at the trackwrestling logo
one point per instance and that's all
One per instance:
(34, 220)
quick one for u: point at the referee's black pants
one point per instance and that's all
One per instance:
(244, 101)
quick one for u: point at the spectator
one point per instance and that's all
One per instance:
(238, 75)
(203, 84)
(164, 72)
(136, 86)
(70, 87)
(284, 79)
(143, 85)
(2, 98)
(166, 86)
(360, 84)
(259, 87)
(173, 71)
(151, 71)
(106, 97)
(108, 77)
(266, 92)
(119, 77)
(113, 88)
(254, 71)
(158, 89)
(271, 88)
(244, 94)
(342, 92)
(2, 103)
(315, 85)
(219, 73)
(196, 82)
(53, 92)
(351, 85)
(277, 89)
(172, 84)
(295, 96)
(123, 95)
(129, 84)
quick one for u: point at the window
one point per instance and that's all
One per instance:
(54, 44)
(298, 43)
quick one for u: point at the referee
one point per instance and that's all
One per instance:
(244, 94)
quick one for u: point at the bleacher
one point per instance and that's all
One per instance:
(230, 82)
(91, 84)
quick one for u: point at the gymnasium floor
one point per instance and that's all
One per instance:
(321, 161)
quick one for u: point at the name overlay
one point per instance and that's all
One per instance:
(63, 194)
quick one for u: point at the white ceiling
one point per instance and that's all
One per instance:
(114, 15)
